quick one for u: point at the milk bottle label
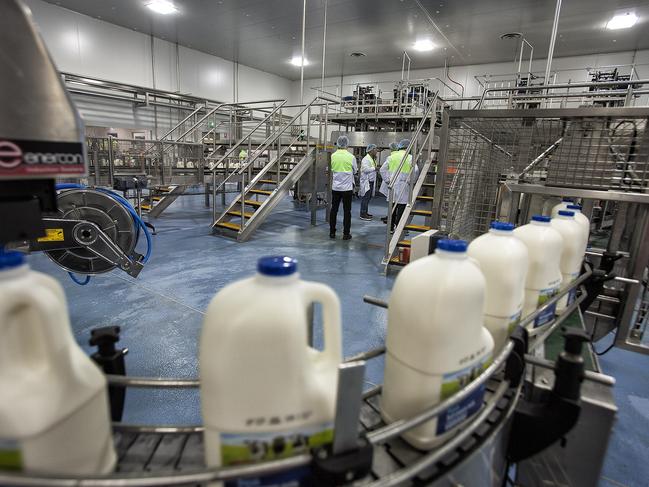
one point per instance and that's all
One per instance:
(452, 383)
(252, 447)
(548, 315)
(10, 455)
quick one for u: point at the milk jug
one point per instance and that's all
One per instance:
(54, 416)
(436, 343)
(565, 202)
(265, 394)
(503, 262)
(582, 219)
(572, 255)
(543, 280)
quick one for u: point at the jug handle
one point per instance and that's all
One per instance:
(45, 310)
(319, 293)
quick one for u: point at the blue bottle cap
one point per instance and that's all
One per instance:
(567, 200)
(566, 213)
(452, 245)
(505, 226)
(541, 218)
(10, 259)
(277, 265)
(574, 207)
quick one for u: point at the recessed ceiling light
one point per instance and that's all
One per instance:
(297, 61)
(423, 45)
(163, 7)
(622, 21)
(357, 54)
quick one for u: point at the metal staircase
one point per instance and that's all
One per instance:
(270, 171)
(417, 215)
(159, 198)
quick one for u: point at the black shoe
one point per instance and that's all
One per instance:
(370, 215)
(367, 218)
(347, 237)
(384, 219)
(332, 235)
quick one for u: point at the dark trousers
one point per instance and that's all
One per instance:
(399, 208)
(336, 197)
(365, 200)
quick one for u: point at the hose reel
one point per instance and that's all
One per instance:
(95, 231)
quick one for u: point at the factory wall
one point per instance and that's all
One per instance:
(86, 46)
(567, 68)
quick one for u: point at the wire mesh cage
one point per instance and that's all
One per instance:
(578, 148)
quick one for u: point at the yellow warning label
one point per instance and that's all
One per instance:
(52, 235)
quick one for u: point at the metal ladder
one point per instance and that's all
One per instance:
(420, 200)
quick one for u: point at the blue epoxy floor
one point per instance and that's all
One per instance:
(161, 312)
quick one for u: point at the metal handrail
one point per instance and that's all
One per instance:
(561, 86)
(166, 134)
(273, 137)
(432, 106)
(198, 122)
(232, 149)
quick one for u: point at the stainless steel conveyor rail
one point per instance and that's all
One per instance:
(499, 402)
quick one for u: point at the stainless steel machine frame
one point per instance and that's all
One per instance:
(492, 162)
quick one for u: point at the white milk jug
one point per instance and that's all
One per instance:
(572, 255)
(265, 394)
(54, 416)
(565, 202)
(543, 280)
(582, 219)
(436, 343)
(503, 262)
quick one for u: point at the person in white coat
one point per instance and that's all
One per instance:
(343, 168)
(367, 180)
(385, 174)
(407, 175)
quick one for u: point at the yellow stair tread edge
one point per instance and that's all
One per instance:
(253, 203)
(260, 191)
(229, 226)
(157, 198)
(246, 214)
(396, 261)
(403, 243)
(145, 207)
(419, 228)
(426, 198)
(422, 212)
(267, 181)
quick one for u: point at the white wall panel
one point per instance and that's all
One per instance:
(82, 45)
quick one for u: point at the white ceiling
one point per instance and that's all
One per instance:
(265, 34)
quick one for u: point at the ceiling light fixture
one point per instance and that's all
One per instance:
(423, 45)
(163, 7)
(297, 61)
(622, 21)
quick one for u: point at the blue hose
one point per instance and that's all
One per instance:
(125, 203)
(80, 283)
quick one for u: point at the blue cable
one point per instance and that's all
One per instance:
(126, 204)
(80, 283)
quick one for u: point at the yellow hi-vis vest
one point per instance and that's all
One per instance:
(342, 161)
(395, 160)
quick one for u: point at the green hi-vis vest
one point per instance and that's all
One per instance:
(341, 161)
(243, 154)
(395, 160)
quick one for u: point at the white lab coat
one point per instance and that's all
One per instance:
(368, 174)
(385, 176)
(402, 182)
